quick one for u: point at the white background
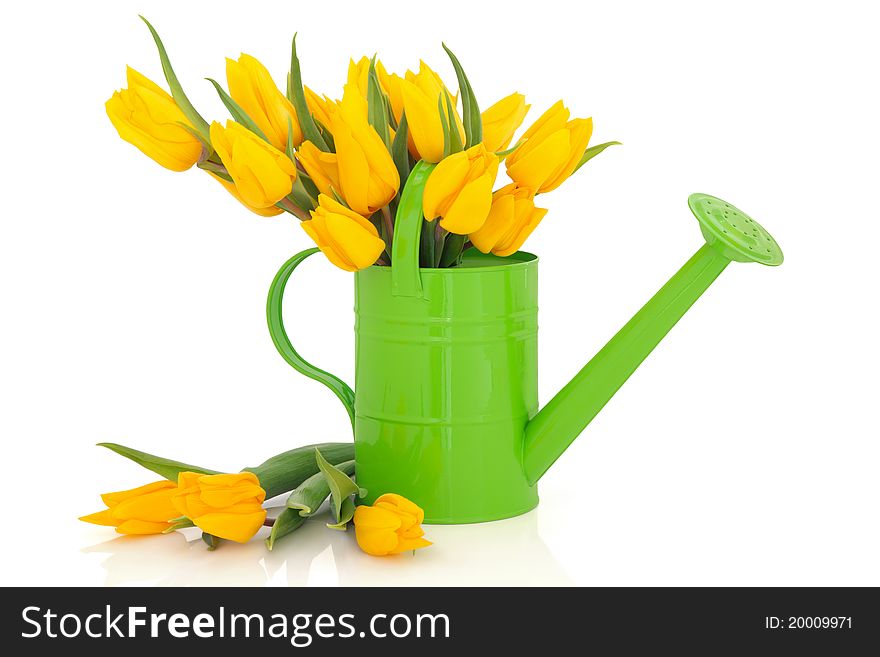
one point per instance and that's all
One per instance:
(743, 452)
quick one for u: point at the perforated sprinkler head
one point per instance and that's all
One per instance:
(733, 232)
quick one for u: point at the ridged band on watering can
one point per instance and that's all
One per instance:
(447, 364)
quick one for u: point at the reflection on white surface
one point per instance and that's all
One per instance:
(317, 556)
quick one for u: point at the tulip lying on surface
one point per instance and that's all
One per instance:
(348, 240)
(460, 190)
(143, 510)
(146, 116)
(391, 526)
(511, 220)
(228, 506)
(262, 174)
(502, 120)
(251, 86)
(549, 150)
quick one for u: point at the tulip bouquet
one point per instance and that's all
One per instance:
(339, 165)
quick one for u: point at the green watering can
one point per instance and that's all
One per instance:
(446, 411)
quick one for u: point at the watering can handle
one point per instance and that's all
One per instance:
(406, 279)
(283, 344)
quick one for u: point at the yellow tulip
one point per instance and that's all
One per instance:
(322, 167)
(348, 240)
(320, 106)
(391, 526)
(549, 150)
(367, 177)
(251, 86)
(144, 510)
(460, 190)
(146, 116)
(392, 84)
(502, 119)
(358, 74)
(228, 506)
(271, 211)
(511, 220)
(421, 94)
(263, 175)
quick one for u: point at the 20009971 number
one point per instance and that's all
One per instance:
(808, 622)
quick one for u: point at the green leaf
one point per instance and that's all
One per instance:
(503, 154)
(343, 515)
(161, 466)
(452, 250)
(216, 169)
(400, 150)
(377, 105)
(290, 152)
(284, 472)
(179, 523)
(237, 112)
(311, 493)
(593, 151)
(426, 244)
(341, 485)
(455, 145)
(447, 137)
(301, 195)
(471, 118)
(211, 541)
(287, 522)
(297, 97)
(309, 185)
(177, 93)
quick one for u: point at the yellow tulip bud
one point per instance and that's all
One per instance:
(549, 150)
(322, 167)
(393, 86)
(320, 106)
(271, 211)
(146, 116)
(501, 120)
(144, 510)
(228, 506)
(421, 95)
(391, 526)
(251, 86)
(348, 240)
(368, 179)
(263, 175)
(358, 74)
(511, 220)
(460, 190)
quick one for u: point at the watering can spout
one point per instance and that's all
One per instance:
(731, 235)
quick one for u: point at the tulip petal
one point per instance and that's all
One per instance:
(153, 507)
(410, 544)
(112, 499)
(443, 183)
(498, 222)
(471, 207)
(533, 169)
(141, 527)
(359, 245)
(104, 517)
(233, 527)
(328, 249)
